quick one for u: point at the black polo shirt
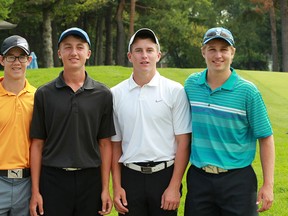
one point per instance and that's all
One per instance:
(71, 123)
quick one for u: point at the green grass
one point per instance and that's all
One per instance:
(273, 87)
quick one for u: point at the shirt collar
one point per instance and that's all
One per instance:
(88, 83)
(228, 85)
(153, 82)
(27, 88)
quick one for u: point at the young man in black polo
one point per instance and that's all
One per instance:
(71, 129)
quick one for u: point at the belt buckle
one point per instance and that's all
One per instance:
(15, 173)
(71, 169)
(213, 169)
(146, 170)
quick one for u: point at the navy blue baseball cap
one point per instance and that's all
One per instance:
(15, 41)
(74, 31)
(218, 32)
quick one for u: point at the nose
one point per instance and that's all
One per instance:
(144, 54)
(74, 51)
(218, 54)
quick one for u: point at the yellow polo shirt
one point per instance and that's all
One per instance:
(15, 117)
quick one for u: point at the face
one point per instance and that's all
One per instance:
(15, 70)
(144, 55)
(218, 55)
(74, 52)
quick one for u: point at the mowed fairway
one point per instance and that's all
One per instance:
(273, 86)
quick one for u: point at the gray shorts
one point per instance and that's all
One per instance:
(15, 196)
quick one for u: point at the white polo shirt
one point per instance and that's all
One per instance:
(147, 118)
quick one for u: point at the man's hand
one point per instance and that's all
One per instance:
(36, 202)
(120, 201)
(265, 198)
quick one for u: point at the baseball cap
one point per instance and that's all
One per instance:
(74, 31)
(218, 32)
(15, 41)
(143, 32)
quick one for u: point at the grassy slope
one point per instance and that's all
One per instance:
(273, 87)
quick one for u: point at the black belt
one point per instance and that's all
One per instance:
(15, 173)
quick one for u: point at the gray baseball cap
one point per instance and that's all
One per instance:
(15, 41)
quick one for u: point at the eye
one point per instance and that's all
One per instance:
(10, 58)
(22, 58)
(80, 47)
(67, 46)
(138, 50)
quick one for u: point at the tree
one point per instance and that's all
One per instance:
(275, 62)
(47, 37)
(132, 17)
(109, 38)
(180, 26)
(5, 6)
(120, 58)
(284, 24)
(267, 6)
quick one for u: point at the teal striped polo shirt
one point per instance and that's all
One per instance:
(226, 122)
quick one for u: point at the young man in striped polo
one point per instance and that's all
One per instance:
(228, 117)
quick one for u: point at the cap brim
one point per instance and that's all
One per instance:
(73, 32)
(143, 31)
(19, 46)
(218, 37)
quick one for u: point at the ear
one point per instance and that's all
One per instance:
(129, 55)
(59, 54)
(30, 58)
(2, 60)
(159, 56)
(233, 51)
(89, 54)
(203, 51)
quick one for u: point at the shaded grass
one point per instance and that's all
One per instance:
(273, 87)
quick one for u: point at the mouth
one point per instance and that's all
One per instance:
(144, 63)
(17, 69)
(73, 59)
(217, 62)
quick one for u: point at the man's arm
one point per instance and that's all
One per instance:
(120, 201)
(267, 156)
(171, 196)
(106, 155)
(35, 165)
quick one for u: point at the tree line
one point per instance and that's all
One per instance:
(260, 28)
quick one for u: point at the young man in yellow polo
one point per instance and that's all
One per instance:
(16, 106)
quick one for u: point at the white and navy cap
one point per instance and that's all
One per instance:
(143, 33)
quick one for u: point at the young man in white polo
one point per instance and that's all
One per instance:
(151, 145)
